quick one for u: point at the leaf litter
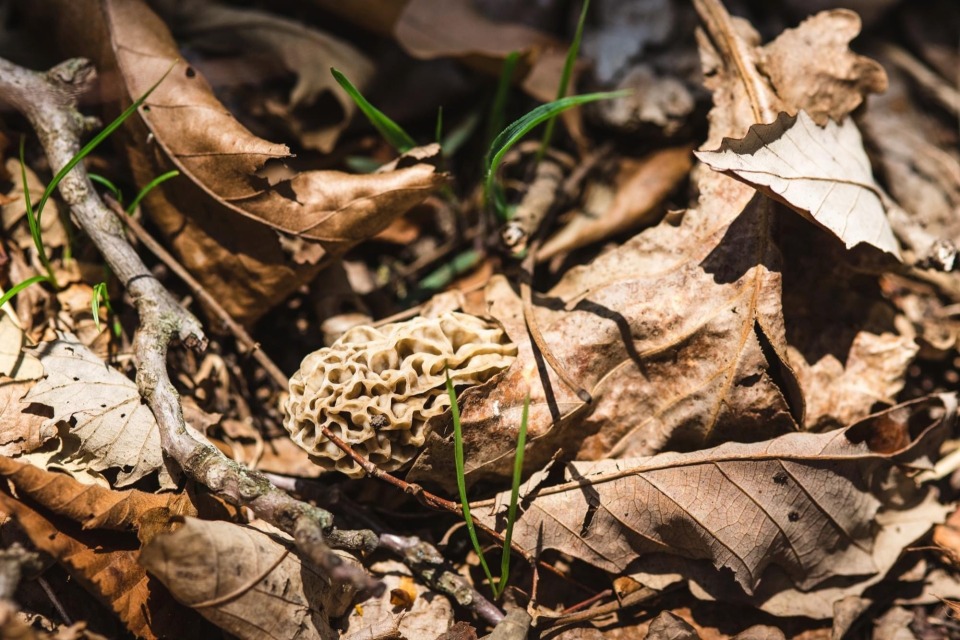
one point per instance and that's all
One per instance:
(769, 430)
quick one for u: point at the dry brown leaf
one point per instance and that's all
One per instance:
(804, 503)
(307, 52)
(812, 68)
(822, 173)
(115, 429)
(245, 581)
(640, 188)
(92, 506)
(20, 432)
(105, 563)
(221, 218)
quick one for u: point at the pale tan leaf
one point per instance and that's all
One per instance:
(14, 361)
(20, 431)
(823, 173)
(115, 429)
(245, 581)
(804, 503)
(106, 565)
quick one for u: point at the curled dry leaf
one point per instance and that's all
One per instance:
(805, 503)
(245, 581)
(92, 506)
(821, 172)
(114, 429)
(106, 565)
(221, 218)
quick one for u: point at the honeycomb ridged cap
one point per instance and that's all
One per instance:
(376, 388)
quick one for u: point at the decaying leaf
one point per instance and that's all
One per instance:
(106, 564)
(245, 581)
(115, 429)
(14, 361)
(221, 217)
(804, 503)
(822, 172)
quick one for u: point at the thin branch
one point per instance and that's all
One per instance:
(48, 100)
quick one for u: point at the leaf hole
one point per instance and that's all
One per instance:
(780, 478)
(76, 379)
(793, 516)
(190, 72)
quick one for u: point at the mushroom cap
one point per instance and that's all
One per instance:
(376, 388)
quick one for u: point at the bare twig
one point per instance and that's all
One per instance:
(48, 100)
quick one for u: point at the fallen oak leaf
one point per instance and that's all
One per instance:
(821, 172)
(803, 502)
(114, 428)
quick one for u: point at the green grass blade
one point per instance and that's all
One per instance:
(150, 186)
(100, 137)
(390, 130)
(33, 220)
(108, 185)
(499, 106)
(99, 290)
(438, 129)
(522, 126)
(568, 64)
(20, 286)
(461, 480)
(514, 494)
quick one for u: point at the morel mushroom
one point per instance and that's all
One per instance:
(376, 388)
